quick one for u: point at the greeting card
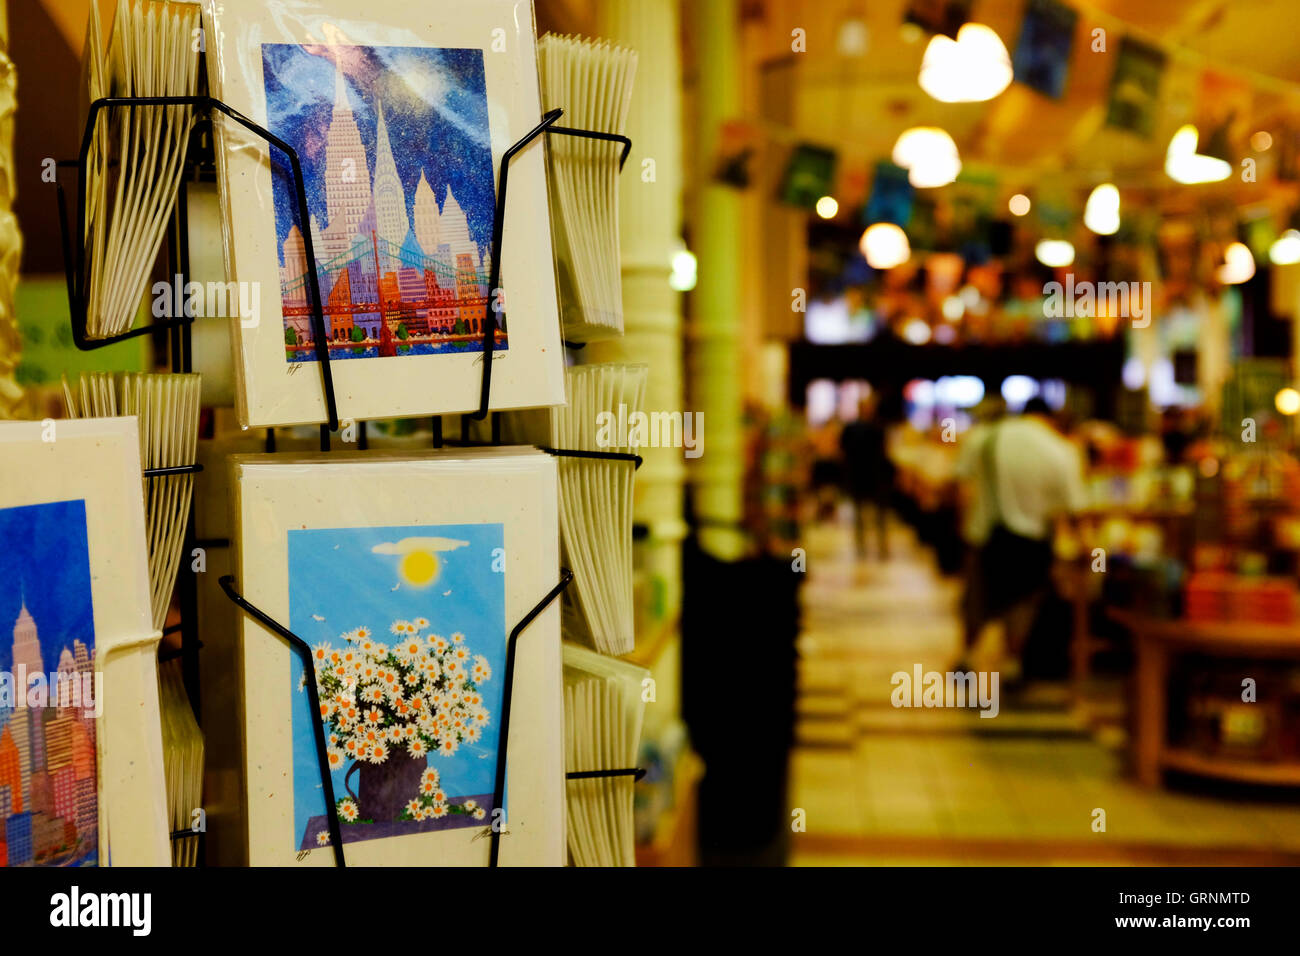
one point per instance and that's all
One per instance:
(400, 124)
(405, 575)
(81, 766)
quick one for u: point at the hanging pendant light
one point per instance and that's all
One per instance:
(929, 155)
(885, 246)
(1285, 250)
(1101, 214)
(1183, 164)
(1238, 265)
(971, 69)
(1054, 253)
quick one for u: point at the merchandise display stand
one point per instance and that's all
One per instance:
(180, 347)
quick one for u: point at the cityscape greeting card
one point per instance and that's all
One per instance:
(405, 575)
(399, 123)
(81, 767)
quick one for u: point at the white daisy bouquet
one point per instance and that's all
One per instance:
(418, 696)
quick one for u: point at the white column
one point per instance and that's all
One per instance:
(716, 362)
(650, 224)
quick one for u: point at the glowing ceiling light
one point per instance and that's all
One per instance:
(827, 207)
(684, 268)
(1019, 205)
(1101, 214)
(1185, 165)
(973, 68)
(916, 331)
(1261, 141)
(885, 246)
(1018, 389)
(929, 174)
(852, 38)
(1238, 265)
(929, 155)
(1285, 250)
(959, 391)
(953, 308)
(921, 143)
(1287, 401)
(1054, 253)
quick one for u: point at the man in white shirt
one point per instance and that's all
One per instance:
(978, 515)
(1037, 477)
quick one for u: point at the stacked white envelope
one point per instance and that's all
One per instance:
(168, 410)
(595, 496)
(183, 761)
(134, 166)
(592, 82)
(603, 711)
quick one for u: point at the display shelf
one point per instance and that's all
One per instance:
(674, 842)
(1157, 641)
(1186, 760)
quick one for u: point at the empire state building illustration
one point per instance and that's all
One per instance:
(398, 274)
(49, 811)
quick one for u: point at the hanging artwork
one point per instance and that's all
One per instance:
(809, 175)
(891, 196)
(1042, 57)
(938, 16)
(1135, 87)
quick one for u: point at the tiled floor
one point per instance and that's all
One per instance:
(894, 786)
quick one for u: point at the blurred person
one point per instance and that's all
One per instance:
(978, 515)
(868, 473)
(827, 467)
(1037, 477)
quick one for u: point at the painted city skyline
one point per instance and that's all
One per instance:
(48, 793)
(396, 155)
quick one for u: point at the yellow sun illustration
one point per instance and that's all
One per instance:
(419, 568)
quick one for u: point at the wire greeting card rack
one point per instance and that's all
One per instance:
(178, 329)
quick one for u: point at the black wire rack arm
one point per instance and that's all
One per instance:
(499, 787)
(496, 309)
(303, 650)
(74, 246)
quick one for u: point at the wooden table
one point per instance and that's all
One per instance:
(1080, 585)
(1156, 641)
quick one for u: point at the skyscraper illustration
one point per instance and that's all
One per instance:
(48, 798)
(398, 271)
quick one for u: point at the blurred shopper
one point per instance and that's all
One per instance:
(978, 515)
(1036, 476)
(827, 468)
(868, 474)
